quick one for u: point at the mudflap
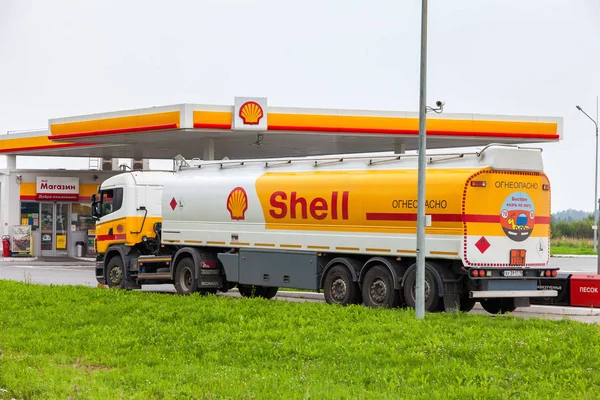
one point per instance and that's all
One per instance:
(210, 278)
(451, 302)
(131, 282)
(452, 287)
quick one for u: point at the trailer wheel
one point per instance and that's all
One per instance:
(247, 290)
(266, 292)
(498, 306)
(185, 281)
(466, 303)
(378, 288)
(116, 273)
(339, 288)
(432, 292)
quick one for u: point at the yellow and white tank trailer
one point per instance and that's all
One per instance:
(342, 225)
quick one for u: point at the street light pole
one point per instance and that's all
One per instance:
(420, 278)
(595, 182)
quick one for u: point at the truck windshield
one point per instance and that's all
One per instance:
(110, 201)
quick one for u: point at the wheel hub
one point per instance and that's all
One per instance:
(115, 275)
(187, 279)
(426, 290)
(338, 289)
(378, 291)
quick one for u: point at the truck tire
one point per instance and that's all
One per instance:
(185, 280)
(247, 290)
(498, 306)
(432, 297)
(378, 288)
(266, 292)
(339, 288)
(115, 273)
(466, 303)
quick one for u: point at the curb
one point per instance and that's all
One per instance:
(574, 256)
(533, 309)
(37, 259)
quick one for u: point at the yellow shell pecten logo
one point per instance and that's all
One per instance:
(237, 203)
(251, 112)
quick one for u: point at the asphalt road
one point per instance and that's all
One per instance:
(579, 264)
(82, 273)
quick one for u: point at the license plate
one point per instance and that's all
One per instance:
(513, 273)
(517, 257)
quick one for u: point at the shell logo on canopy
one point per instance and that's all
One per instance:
(251, 112)
(237, 203)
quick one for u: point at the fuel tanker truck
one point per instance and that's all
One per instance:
(345, 226)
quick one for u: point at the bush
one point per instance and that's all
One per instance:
(581, 229)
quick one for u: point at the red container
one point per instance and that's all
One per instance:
(5, 246)
(585, 290)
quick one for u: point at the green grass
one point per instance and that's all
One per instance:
(62, 342)
(571, 246)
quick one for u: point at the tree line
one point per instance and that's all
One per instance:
(578, 229)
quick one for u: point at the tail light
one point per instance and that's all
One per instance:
(208, 264)
(478, 183)
(554, 273)
(545, 186)
(477, 273)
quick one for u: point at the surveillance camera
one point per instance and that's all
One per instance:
(439, 103)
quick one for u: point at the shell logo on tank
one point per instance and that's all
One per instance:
(251, 112)
(237, 203)
(294, 206)
(518, 216)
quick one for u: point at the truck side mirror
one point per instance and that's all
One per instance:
(95, 207)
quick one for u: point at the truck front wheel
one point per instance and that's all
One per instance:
(185, 281)
(116, 273)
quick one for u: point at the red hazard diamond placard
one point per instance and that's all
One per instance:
(173, 203)
(482, 244)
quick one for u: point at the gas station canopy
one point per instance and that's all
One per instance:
(250, 129)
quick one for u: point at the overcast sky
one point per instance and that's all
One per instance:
(540, 58)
